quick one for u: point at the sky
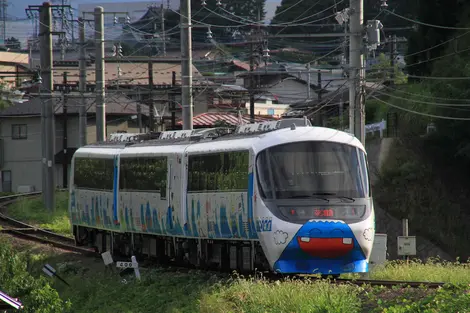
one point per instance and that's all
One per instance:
(24, 28)
(16, 7)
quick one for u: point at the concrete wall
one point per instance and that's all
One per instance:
(378, 150)
(23, 156)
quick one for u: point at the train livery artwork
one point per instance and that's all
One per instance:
(279, 196)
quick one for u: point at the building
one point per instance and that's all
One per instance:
(21, 138)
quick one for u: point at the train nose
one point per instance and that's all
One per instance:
(319, 245)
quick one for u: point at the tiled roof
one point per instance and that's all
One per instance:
(208, 119)
(115, 105)
(14, 57)
(134, 73)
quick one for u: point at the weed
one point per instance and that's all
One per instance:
(33, 211)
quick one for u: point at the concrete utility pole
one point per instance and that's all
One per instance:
(82, 122)
(252, 87)
(100, 78)
(172, 100)
(47, 112)
(186, 65)
(150, 98)
(65, 90)
(163, 29)
(62, 28)
(393, 55)
(151, 104)
(357, 72)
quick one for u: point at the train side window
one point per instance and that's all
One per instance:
(218, 172)
(94, 173)
(144, 174)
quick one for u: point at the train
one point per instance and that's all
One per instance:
(280, 196)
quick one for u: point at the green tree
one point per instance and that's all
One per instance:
(443, 13)
(233, 15)
(382, 70)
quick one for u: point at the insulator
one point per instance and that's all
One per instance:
(266, 53)
(218, 3)
(203, 3)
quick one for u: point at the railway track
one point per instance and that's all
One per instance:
(32, 233)
(28, 232)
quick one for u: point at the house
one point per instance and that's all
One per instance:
(210, 119)
(12, 67)
(276, 80)
(331, 104)
(21, 137)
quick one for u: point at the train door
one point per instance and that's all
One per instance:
(175, 214)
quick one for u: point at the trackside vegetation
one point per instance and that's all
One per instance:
(32, 211)
(92, 289)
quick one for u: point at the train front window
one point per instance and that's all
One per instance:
(312, 169)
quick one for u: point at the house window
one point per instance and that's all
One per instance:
(270, 111)
(19, 131)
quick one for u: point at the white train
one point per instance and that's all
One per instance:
(281, 196)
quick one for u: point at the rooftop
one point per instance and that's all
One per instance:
(115, 105)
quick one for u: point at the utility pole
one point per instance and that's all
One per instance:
(309, 83)
(186, 64)
(139, 111)
(252, 87)
(151, 104)
(318, 117)
(47, 112)
(64, 137)
(100, 77)
(172, 99)
(62, 35)
(150, 98)
(356, 71)
(393, 55)
(163, 29)
(82, 122)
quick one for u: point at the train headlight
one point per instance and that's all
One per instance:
(324, 212)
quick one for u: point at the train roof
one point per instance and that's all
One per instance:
(218, 139)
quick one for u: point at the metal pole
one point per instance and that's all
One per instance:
(100, 79)
(64, 137)
(163, 30)
(82, 122)
(186, 65)
(357, 73)
(47, 115)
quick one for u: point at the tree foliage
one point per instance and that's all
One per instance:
(231, 16)
(444, 13)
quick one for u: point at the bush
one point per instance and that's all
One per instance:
(34, 292)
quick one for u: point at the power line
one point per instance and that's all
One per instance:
(421, 113)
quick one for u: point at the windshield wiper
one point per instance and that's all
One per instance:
(308, 197)
(333, 194)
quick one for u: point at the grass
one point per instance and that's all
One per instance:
(32, 211)
(433, 270)
(95, 290)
